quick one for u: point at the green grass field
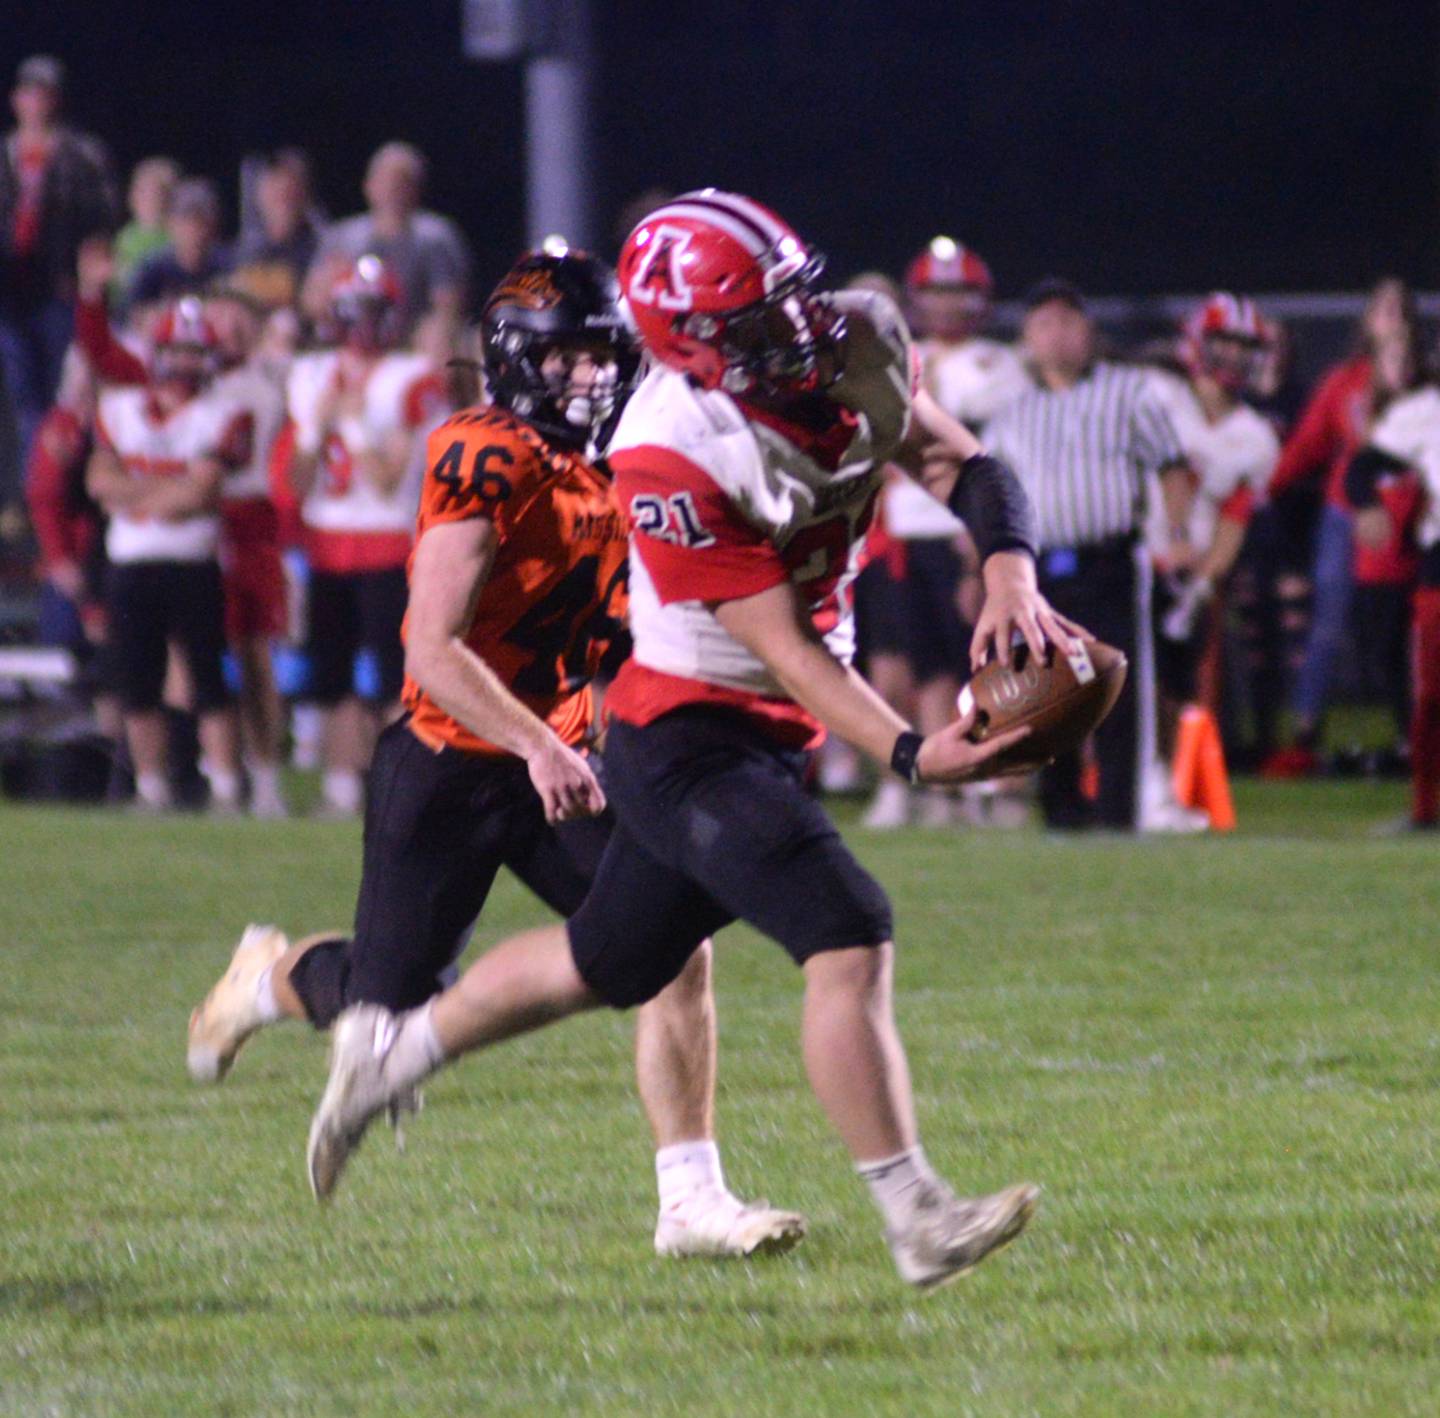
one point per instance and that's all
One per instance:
(1218, 1057)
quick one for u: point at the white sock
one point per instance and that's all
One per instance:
(342, 789)
(895, 1184)
(264, 778)
(307, 729)
(224, 786)
(265, 1004)
(686, 1167)
(152, 789)
(414, 1050)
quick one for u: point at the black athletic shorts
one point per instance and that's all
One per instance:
(879, 613)
(714, 825)
(438, 827)
(937, 642)
(348, 613)
(152, 603)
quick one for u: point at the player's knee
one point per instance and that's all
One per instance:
(859, 972)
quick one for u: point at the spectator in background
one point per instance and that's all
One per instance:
(55, 190)
(1336, 422)
(66, 521)
(194, 257)
(1406, 436)
(424, 250)
(152, 184)
(272, 256)
(1387, 560)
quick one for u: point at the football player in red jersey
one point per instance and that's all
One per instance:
(517, 597)
(347, 457)
(162, 452)
(249, 525)
(1197, 526)
(748, 461)
(948, 294)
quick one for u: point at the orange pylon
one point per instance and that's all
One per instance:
(1199, 776)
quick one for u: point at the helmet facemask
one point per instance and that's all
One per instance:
(1231, 361)
(784, 344)
(183, 366)
(365, 321)
(951, 313)
(568, 388)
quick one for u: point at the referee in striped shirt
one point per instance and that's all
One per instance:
(1083, 442)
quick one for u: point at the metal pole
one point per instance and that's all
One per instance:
(558, 131)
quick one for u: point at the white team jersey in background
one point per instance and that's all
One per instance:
(813, 516)
(970, 381)
(1240, 449)
(254, 390)
(1409, 429)
(341, 500)
(153, 446)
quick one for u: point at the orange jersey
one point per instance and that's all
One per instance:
(554, 606)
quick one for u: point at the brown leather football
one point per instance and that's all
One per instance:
(1063, 698)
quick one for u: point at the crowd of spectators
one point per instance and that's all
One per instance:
(329, 341)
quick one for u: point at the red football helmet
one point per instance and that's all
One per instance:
(722, 288)
(948, 290)
(948, 265)
(1225, 338)
(184, 346)
(365, 306)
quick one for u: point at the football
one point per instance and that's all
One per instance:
(1062, 698)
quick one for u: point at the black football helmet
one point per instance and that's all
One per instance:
(558, 300)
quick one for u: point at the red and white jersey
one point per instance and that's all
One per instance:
(349, 524)
(974, 379)
(1236, 453)
(255, 391)
(726, 500)
(970, 381)
(151, 444)
(1409, 429)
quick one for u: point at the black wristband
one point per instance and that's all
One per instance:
(905, 756)
(989, 499)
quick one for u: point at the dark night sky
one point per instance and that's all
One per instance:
(1138, 146)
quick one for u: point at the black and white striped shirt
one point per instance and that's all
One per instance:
(1084, 453)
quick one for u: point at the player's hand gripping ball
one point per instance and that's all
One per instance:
(1062, 698)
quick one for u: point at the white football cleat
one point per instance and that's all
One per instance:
(355, 1095)
(715, 1223)
(949, 1235)
(230, 1013)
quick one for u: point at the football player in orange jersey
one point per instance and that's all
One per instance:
(518, 594)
